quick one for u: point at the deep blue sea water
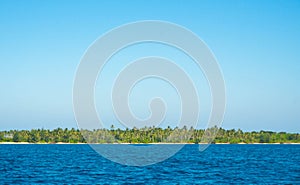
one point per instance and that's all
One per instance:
(219, 164)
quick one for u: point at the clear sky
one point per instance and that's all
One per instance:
(256, 42)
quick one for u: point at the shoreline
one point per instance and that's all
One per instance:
(61, 143)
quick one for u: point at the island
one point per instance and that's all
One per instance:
(146, 135)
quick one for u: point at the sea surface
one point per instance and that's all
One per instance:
(219, 164)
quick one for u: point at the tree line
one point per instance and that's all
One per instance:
(146, 135)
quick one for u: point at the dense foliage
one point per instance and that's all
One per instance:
(145, 135)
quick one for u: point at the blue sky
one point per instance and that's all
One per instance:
(257, 45)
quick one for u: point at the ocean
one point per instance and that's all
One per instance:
(219, 164)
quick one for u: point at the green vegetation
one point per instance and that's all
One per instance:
(145, 135)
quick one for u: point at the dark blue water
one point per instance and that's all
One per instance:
(79, 164)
